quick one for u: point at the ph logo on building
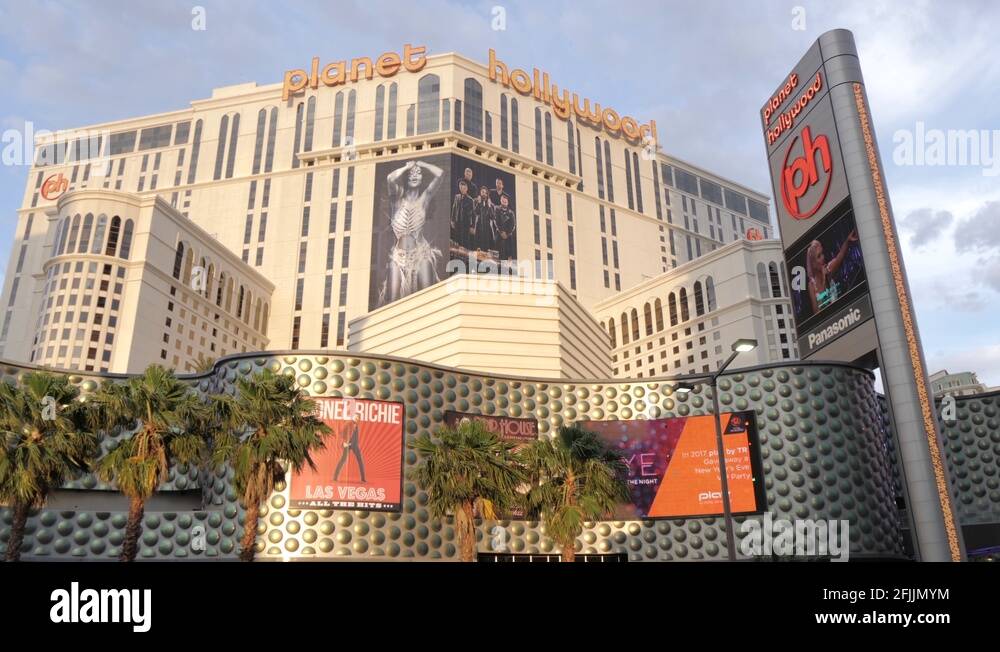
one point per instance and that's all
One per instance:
(802, 174)
(54, 186)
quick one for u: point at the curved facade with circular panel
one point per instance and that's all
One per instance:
(822, 446)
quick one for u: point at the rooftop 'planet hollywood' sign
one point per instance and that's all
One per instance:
(565, 104)
(539, 86)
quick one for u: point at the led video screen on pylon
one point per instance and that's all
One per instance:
(673, 464)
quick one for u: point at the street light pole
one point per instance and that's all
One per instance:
(727, 511)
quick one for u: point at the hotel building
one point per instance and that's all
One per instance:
(264, 221)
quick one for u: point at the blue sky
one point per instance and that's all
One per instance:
(701, 69)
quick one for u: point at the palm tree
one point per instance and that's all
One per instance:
(464, 471)
(574, 478)
(204, 364)
(163, 415)
(269, 422)
(43, 443)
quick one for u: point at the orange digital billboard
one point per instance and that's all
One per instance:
(674, 464)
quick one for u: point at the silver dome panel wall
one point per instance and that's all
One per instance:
(822, 441)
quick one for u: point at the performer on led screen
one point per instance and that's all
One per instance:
(823, 288)
(351, 444)
(481, 234)
(412, 260)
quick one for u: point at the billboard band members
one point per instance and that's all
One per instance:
(483, 220)
(351, 444)
(412, 260)
(823, 289)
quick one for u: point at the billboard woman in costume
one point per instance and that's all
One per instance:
(412, 260)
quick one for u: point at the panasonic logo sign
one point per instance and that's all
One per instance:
(850, 319)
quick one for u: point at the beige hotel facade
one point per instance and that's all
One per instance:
(257, 219)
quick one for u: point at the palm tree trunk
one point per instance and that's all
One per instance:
(569, 551)
(17, 532)
(467, 533)
(133, 528)
(248, 544)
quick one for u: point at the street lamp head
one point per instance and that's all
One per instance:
(744, 345)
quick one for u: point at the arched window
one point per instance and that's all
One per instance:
(352, 102)
(221, 289)
(710, 293)
(224, 133)
(504, 141)
(549, 157)
(611, 330)
(379, 111)
(515, 133)
(112, 247)
(635, 325)
(784, 280)
(538, 135)
(195, 150)
(229, 294)
(658, 308)
(699, 299)
(775, 280)
(647, 316)
(239, 304)
(390, 129)
(685, 314)
(338, 117)
(638, 181)
(672, 306)
(62, 237)
(126, 240)
(258, 145)
(628, 180)
(188, 263)
(73, 233)
(488, 127)
(234, 137)
(263, 325)
(607, 171)
(472, 115)
(762, 281)
(571, 146)
(247, 304)
(256, 314)
(209, 280)
(88, 223)
(272, 132)
(624, 328)
(98, 242)
(600, 167)
(428, 104)
(178, 260)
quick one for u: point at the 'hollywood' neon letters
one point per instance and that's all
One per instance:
(539, 87)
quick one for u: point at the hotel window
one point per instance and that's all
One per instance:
(327, 291)
(347, 215)
(303, 247)
(390, 130)
(548, 139)
(607, 171)
(299, 110)
(571, 146)
(88, 223)
(340, 328)
(445, 114)
(221, 150)
(473, 113)
(324, 335)
(113, 236)
(338, 117)
(488, 127)
(538, 134)
(428, 104)
(330, 247)
(656, 188)
(658, 307)
(296, 327)
(503, 121)
(346, 254)
(352, 101)
(258, 145)
(538, 234)
(458, 115)
(638, 182)
(299, 283)
(343, 290)
(379, 111)
(262, 229)
(572, 274)
(515, 133)
(628, 180)
(685, 315)
(600, 168)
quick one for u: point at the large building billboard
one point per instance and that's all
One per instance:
(361, 466)
(435, 216)
(850, 293)
(674, 464)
